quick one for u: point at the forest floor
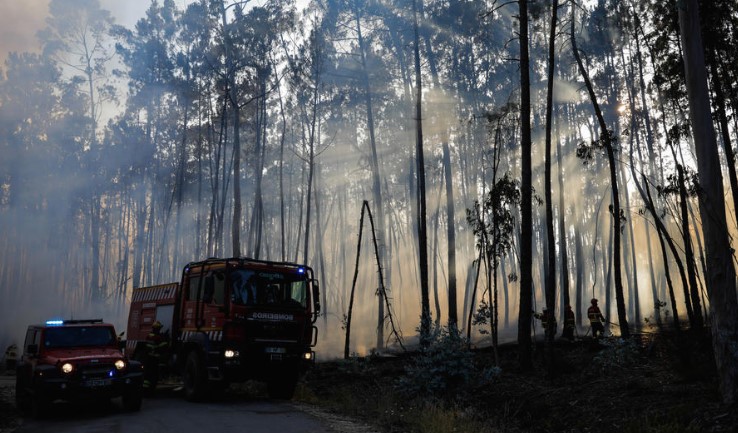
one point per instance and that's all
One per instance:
(656, 383)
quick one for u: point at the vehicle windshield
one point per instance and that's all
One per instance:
(249, 287)
(79, 336)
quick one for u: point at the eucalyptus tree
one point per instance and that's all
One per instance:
(720, 38)
(259, 35)
(607, 140)
(526, 196)
(357, 20)
(721, 271)
(551, 276)
(28, 97)
(146, 52)
(425, 317)
(76, 36)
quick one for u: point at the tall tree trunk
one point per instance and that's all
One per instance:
(450, 208)
(563, 246)
(425, 317)
(233, 98)
(550, 280)
(526, 204)
(376, 175)
(606, 137)
(721, 273)
(725, 134)
(694, 296)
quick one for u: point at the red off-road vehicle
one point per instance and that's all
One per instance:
(74, 360)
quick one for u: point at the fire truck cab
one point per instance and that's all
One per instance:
(230, 320)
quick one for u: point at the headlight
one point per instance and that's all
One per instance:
(120, 364)
(307, 356)
(230, 353)
(67, 368)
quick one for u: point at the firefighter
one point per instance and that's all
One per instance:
(569, 323)
(157, 344)
(596, 319)
(11, 357)
(546, 320)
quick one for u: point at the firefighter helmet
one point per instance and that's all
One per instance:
(157, 325)
(594, 300)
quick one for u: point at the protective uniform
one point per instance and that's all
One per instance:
(569, 323)
(157, 344)
(596, 319)
(546, 320)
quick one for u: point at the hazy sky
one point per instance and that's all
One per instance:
(21, 19)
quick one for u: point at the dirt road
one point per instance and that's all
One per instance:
(169, 412)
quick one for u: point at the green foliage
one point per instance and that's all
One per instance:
(587, 151)
(494, 223)
(443, 368)
(618, 354)
(482, 316)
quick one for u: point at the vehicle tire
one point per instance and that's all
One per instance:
(282, 387)
(132, 400)
(22, 399)
(40, 407)
(195, 379)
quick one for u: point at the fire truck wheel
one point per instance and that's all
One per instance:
(282, 387)
(132, 400)
(195, 381)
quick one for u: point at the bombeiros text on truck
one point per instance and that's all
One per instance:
(229, 320)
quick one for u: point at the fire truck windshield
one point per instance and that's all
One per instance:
(249, 287)
(79, 336)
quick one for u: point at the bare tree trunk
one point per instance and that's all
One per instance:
(721, 273)
(233, 99)
(550, 280)
(450, 208)
(526, 211)
(606, 137)
(376, 175)
(425, 316)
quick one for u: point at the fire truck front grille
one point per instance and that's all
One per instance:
(276, 332)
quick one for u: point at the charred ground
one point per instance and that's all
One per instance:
(655, 383)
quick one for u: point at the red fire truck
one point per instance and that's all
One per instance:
(231, 320)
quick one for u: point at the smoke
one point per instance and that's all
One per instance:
(19, 22)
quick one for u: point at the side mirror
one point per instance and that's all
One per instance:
(32, 349)
(316, 298)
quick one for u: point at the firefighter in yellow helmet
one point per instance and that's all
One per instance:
(596, 319)
(157, 345)
(547, 319)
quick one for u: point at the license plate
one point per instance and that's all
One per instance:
(275, 350)
(95, 383)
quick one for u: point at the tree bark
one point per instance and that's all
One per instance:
(607, 138)
(550, 282)
(425, 317)
(526, 205)
(720, 271)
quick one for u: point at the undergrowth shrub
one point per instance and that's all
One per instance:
(443, 368)
(618, 354)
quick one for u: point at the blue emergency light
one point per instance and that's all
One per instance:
(54, 322)
(301, 270)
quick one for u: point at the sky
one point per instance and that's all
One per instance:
(20, 20)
